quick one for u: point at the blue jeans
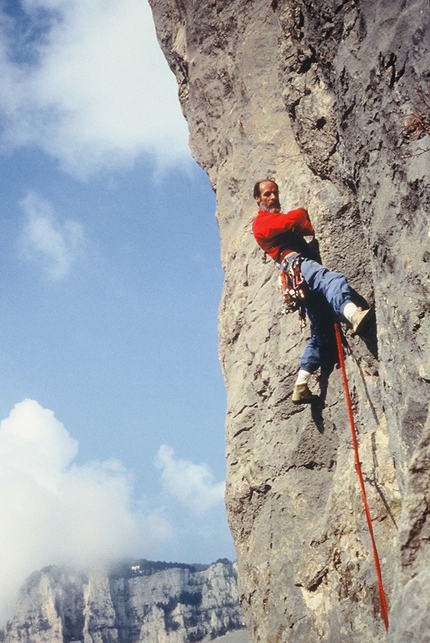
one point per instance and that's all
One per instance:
(327, 296)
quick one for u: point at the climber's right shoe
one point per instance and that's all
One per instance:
(360, 320)
(302, 395)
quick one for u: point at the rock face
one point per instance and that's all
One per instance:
(331, 98)
(139, 603)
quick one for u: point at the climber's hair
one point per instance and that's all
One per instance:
(257, 187)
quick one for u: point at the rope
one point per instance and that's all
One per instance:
(384, 609)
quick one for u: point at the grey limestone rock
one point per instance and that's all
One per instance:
(331, 98)
(174, 605)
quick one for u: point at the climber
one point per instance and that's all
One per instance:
(286, 237)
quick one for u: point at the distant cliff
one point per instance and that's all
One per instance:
(332, 99)
(150, 602)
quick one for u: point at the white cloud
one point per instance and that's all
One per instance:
(100, 92)
(55, 512)
(191, 484)
(56, 244)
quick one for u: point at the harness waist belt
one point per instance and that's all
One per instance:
(288, 259)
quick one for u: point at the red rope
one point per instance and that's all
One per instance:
(384, 609)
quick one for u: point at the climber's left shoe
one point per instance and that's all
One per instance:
(302, 395)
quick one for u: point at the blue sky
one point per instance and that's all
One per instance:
(111, 395)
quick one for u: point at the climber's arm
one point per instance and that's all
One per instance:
(268, 225)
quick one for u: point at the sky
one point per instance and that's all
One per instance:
(112, 402)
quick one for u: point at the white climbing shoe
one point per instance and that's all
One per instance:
(360, 320)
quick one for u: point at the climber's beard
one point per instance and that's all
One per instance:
(275, 206)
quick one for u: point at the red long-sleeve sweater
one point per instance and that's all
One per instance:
(278, 234)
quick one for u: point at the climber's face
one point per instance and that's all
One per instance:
(269, 197)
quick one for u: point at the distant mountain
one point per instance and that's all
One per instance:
(132, 602)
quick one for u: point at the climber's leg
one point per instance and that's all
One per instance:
(321, 348)
(333, 285)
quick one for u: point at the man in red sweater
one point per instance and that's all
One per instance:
(284, 237)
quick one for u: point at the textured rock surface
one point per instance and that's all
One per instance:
(332, 99)
(176, 605)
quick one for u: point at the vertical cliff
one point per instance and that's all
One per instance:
(153, 602)
(331, 98)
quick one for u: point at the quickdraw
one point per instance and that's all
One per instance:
(293, 287)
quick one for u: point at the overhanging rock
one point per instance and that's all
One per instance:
(332, 100)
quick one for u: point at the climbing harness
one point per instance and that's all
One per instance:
(293, 286)
(384, 609)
